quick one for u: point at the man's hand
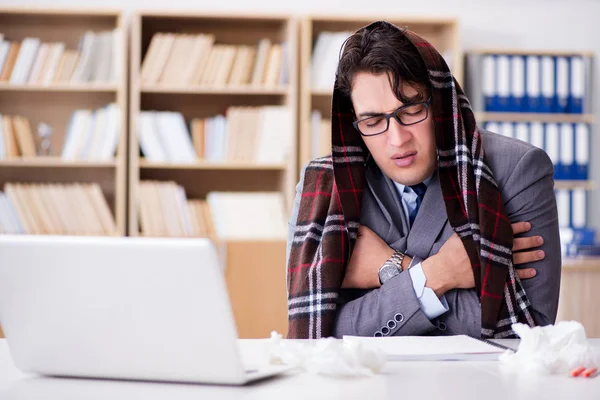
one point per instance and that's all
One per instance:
(369, 254)
(520, 244)
(451, 267)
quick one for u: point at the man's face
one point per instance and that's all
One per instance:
(406, 154)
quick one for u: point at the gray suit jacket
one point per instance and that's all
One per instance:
(524, 175)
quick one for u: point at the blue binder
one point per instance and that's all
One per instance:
(578, 208)
(517, 83)
(552, 146)
(503, 92)
(577, 85)
(533, 84)
(582, 151)
(584, 236)
(548, 84)
(561, 90)
(563, 205)
(566, 164)
(489, 86)
(536, 134)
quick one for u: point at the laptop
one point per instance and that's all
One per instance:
(120, 308)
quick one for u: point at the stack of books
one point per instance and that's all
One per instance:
(98, 58)
(59, 209)
(16, 137)
(261, 135)
(195, 59)
(93, 135)
(165, 211)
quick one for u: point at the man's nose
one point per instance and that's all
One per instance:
(397, 134)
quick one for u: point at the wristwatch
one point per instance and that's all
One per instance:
(391, 268)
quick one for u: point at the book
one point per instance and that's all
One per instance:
(59, 209)
(197, 59)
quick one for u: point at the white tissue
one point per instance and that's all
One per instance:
(552, 349)
(331, 357)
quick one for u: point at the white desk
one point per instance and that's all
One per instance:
(400, 380)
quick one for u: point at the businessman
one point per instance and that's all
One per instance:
(413, 226)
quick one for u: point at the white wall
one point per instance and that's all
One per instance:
(532, 24)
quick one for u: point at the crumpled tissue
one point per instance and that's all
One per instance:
(552, 349)
(328, 356)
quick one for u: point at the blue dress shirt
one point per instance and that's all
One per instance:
(431, 305)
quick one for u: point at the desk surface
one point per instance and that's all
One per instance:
(400, 380)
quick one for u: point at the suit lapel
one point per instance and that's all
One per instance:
(429, 221)
(384, 194)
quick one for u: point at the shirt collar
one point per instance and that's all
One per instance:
(400, 187)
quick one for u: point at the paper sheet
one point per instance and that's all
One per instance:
(432, 348)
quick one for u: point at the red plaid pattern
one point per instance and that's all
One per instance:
(329, 213)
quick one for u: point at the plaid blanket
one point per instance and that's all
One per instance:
(329, 213)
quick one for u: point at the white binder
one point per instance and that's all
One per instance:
(536, 132)
(578, 208)
(562, 85)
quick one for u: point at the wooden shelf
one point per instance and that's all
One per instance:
(60, 12)
(202, 101)
(528, 117)
(581, 264)
(62, 87)
(574, 184)
(54, 162)
(53, 104)
(213, 166)
(243, 90)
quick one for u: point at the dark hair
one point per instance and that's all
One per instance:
(382, 48)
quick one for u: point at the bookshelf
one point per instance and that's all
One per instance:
(196, 99)
(50, 95)
(441, 32)
(159, 85)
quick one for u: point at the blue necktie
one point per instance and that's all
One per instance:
(420, 190)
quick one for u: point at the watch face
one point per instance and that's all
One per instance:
(387, 272)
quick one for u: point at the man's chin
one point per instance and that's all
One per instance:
(408, 179)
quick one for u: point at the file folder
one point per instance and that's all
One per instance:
(533, 82)
(551, 140)
(507, 129)
(536, 133)
(563, 205)
(578, 208)
(567, 151)
(548, 84)
(522, 132)
(578, 85)
(582, 151)
(517, 76)
(561, 103)
(491, 126)
(503, 83)
(488, 66)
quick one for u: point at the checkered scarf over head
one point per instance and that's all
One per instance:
(329, 212)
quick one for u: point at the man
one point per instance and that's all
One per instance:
(406, 228)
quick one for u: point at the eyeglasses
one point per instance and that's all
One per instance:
(409, 114)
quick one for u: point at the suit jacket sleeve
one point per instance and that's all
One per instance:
(528, 195)
(394, 306)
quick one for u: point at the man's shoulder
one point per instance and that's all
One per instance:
(503, 154)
